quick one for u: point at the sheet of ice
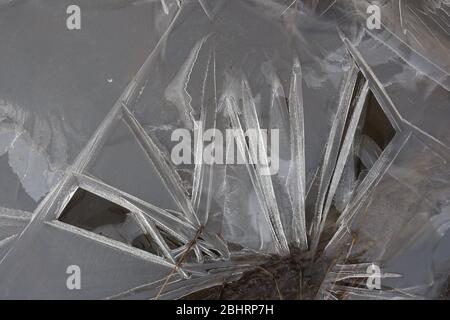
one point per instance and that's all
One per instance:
(95, 110)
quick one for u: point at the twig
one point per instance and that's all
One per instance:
(180, 261)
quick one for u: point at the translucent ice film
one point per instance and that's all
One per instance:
(167, 149)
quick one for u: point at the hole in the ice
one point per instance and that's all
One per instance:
(376, 125)
(374, 135)
(93, 213)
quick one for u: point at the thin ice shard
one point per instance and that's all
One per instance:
(296, 178)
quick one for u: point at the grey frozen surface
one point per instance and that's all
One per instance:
(87, 173)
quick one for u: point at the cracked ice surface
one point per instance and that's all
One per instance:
(87, 117)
